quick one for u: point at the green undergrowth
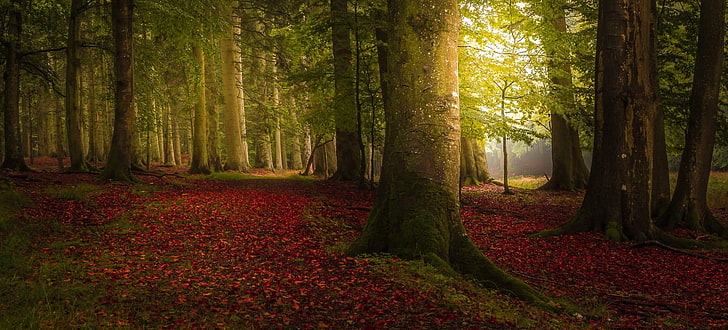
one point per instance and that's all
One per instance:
(41, 284)
(79, 192)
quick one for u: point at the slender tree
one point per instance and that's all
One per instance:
(13, 156)
(118, 165)
(617, 201)
(416, 211)
(689, 205)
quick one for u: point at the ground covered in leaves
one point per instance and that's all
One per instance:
(264, 252)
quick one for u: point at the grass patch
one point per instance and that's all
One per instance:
(37, 294)
(79, 192)
(527, 182)
(718, 190)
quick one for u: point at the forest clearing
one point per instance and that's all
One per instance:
(263, 251)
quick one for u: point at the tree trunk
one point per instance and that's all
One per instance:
(689, 205)
(232, 91)
(569, 170)
(416, 211)
(200, 162)
(348, 157)
(660, 167)
(473, 164)
(618, 197)
(118, 165)
(212, 95)
(74, 112)
(13, 156)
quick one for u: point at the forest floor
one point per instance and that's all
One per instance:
(264, 251)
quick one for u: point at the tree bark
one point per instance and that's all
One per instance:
(118, 165)
(232, 90)
(618, 197)
(13, 156)
(473, 164)
(689, 206)
(348, 156)
(416, 211)
(200, 162)
(74, 112)
(569, 170)
(660, 167)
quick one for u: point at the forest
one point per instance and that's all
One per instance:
(328, 164)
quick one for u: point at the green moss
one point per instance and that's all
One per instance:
(614, 232)
(79, 192)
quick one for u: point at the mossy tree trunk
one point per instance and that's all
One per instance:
(416, 211)
(233, 94)
(118, 165)
(200, 158)
(473, 164)
(618, 197)
(689, 206)
(74, 112)
(348, 156)
(13, 155)
(569, 170)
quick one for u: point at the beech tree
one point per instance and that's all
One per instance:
(617, 201)
(74, 111)
(233, 94)
(689, 206)
(200, 160)
(348, 156)
(416, 211)
(118, 165)
(569, 170)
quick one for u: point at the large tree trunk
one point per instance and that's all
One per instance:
(74, 112)
(232, 90)
(569, 170)
(618, 197)
(348, 157)
(660, 167)
(416, 211)
(212, 95)
(118, 165)
(14, 137)
(200, 162)
(689, 205)
(13, 156)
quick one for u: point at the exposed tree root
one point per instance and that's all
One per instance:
(673, 249)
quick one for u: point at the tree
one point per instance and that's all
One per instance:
(233, 94)
(473, 163)
(689, 206)
(200, 162)
(348, 156)
(617, 201)
(416, 211)
(118, 165)
(74, 112)
(569, 170)
(13, 156)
